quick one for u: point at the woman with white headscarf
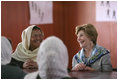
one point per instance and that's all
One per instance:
(8, 71)
(52, 60)
(6, 51)
(26, 51)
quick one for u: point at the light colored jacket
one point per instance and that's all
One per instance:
(103, 63)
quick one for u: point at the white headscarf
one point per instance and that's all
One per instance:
(6, 51)
(52, 59)
(22, 52)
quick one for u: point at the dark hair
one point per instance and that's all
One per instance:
(35, 27)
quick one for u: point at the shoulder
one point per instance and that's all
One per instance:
(104, 53)
(13, 67)
(10, 71)
(9, 67)
(101, 49)
(107, 56)
(78, 53)
(20, 45)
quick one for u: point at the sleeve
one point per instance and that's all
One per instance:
(106, 63)
(16, 62)
(74, 61)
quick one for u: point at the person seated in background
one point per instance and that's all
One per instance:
(9, 71)
(26, 51)
(91, 57)
(52, 60)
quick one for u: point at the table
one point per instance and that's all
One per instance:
(93, 74)
(86, 74)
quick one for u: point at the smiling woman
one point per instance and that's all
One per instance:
(26, 51)
(92, 56)
(36, 38)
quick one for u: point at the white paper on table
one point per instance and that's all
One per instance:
(106, 10)
(41, 12)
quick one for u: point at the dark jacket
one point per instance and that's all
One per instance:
(11, 72)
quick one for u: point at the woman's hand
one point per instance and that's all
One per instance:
(89, 68)
(80, 66)
(30, 64)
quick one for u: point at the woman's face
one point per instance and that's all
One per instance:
(36, 38)
(83, 39)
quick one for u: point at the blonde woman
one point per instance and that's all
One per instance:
(91, 57)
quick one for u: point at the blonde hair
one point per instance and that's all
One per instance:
(89, 29)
